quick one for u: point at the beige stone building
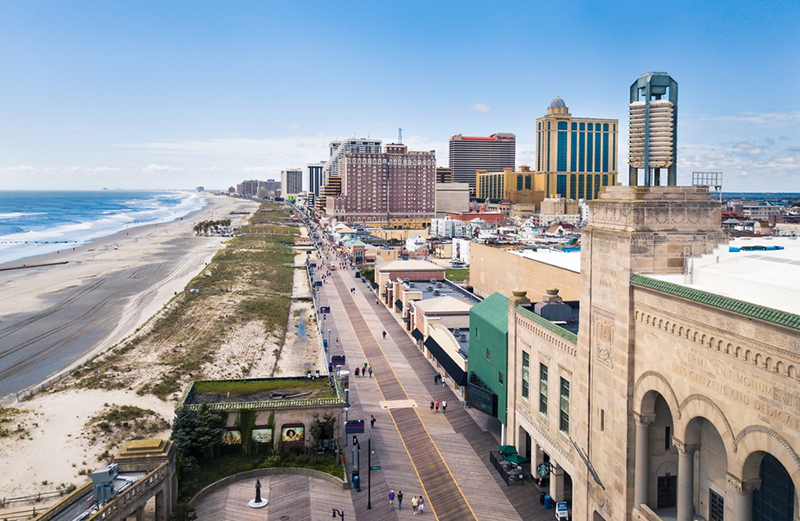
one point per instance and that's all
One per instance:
(534, 272)
(671, 402)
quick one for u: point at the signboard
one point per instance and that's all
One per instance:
(561, 510)
(232, 438)
(337, 360)
(354, 427)
(543, 469)
(292, 434)
(325, 309)
(262, 435)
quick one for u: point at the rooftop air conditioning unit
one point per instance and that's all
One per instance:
(438, 284)
(436, 293)
(433, 281)
(429, 288)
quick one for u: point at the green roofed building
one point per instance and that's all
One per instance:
(488, 360)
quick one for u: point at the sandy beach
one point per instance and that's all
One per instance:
(115, 285)
(53, 317)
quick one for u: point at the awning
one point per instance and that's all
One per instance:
(507, 450)
(450, 365)
(516, 459)
(417, 334)
(398, 304)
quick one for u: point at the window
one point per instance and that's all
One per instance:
(561, 158)
(500, 377)
(667, 438)
(543, 389)
(716, 506)
(602, 420)
(526, 368)
(563, 423)
(488, 354)
(476, 332)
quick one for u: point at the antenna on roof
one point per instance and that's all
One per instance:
(400, 136)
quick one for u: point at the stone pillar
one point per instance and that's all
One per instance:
(685, 479)
(557, 483)
(742, 494)
(139, 514)
(642, 463)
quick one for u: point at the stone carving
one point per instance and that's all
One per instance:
(603, 336)
(708, 401)
(769, 432)
(685, 448)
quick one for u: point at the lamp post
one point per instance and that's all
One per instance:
(369, 473)
(337, 512)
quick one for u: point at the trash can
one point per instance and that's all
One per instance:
(548, 502)
(356, 481)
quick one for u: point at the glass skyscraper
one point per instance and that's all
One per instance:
(579, 155)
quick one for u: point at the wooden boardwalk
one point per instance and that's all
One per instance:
(444, 497)
(291, 498)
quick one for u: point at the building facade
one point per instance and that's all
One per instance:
(671, 402)
(291, 181)
(469, 153)
(578, 156)
(315, 178)
(451, 197)
(394, 188)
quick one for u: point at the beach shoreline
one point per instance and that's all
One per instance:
(131, 274)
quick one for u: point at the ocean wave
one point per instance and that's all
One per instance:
(17, 215)
(51, 231)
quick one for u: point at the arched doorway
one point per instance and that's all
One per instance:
(774, 499)
(709, 465)
(656, 458)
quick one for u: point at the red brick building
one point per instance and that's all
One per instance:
(394, 188)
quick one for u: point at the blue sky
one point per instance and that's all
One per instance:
(179, 94)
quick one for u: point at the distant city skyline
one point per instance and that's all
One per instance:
(184, 94)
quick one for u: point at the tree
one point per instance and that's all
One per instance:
(198, 430)
(322, 430)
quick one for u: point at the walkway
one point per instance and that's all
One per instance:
(291, 498)
(442, 456)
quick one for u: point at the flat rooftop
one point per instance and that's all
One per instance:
(441, 288)
(769, 278)
(568, 260)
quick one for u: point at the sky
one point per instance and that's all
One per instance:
(179, 94)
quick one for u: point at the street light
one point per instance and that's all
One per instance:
(337, 512)
(329, 337)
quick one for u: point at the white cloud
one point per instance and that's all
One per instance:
(480, 107)
(772, 120)
(293, 126)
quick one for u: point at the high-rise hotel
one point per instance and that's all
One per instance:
(490, 154)
(577, 155)
(393, 188)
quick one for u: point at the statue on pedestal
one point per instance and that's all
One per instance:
(258, 491)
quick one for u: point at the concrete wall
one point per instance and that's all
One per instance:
(517, 273)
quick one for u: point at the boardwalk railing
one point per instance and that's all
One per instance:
(508, 471)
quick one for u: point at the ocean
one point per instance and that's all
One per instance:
(38, 222)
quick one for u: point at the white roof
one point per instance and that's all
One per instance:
(410, 265)
(568, 260)
(766, 278)
(443, 305)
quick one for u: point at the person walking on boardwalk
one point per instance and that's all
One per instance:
(444, 405)
(400, 500)
(384, 334)
(357, 372)
(371, 421)
(391, 499)
(437, 405)
(421, 505)
(414, 504)
(370, 371)
(431, 405)
(365, 367)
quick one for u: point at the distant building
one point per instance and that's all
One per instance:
(338, 149)
(523, 187)
(470, 153)
(269, 188)
(451, 197)
(315, 178)
(392, 188)
(291, 181)
(653, 132)
(575, 156)
(444, 175)
(447, 228)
